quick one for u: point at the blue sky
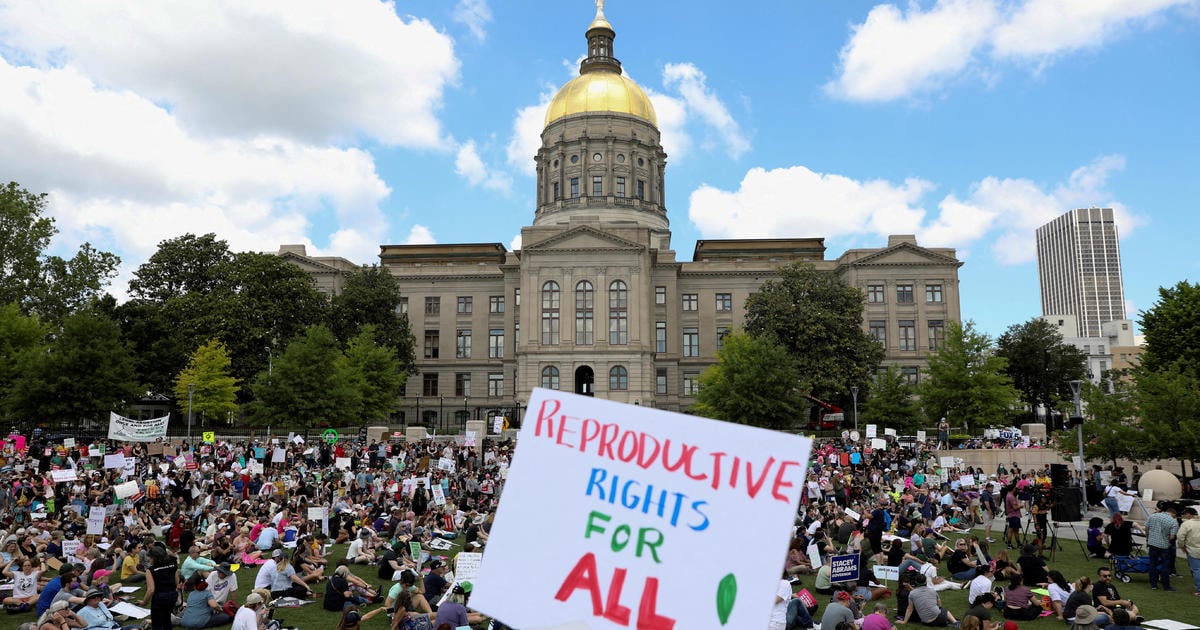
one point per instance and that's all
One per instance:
(352, 124)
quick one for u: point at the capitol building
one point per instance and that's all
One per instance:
(597, 301)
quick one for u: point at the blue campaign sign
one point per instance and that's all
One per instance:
(844, 568)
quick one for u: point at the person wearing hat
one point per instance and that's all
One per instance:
(435, 582)
(247, 616)
(95, 613)
(222, 583)
(58, 616)
(1086, 618)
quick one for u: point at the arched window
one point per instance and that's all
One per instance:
(618, 378)
(550, 305)
(584, 322)
(618, 313)
(550, 377)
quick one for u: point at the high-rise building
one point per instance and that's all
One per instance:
(1079, 269)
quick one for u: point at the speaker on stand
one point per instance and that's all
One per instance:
(1060, 476)
(1066, 504)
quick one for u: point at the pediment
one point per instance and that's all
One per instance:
(583, 238)
(906, 254)
(309, 264)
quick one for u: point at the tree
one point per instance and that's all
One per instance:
(84, 373)
(1110, 428)
(966, 380)
(371, 296)
(20, 334)
(215, 391)
(1040, 365)
(753, 382)
(1168, 402)
(375, 372)
(309, 383)
(891, 402)
(818, 321)
(181, 265)
(1172, 327)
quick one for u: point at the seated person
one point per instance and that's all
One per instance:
(1095, 538)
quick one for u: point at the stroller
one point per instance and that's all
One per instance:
(1123, 566)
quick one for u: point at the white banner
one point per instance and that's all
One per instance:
(130, 430)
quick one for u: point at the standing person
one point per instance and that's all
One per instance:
(1161, 528)
(1012, 512)
(943, 429)
(162, 587)
(1188, 538)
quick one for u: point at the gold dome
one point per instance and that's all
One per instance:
(601, 92)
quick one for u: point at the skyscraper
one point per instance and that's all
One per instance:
(1079, 269)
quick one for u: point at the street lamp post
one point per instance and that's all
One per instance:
(854, 395)
(466, 413)
(191, 392)
(1078, 420)
(442, 411)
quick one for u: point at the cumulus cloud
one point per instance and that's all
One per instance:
(469, 165)
(897, 53)
(475, 15)
(797, 201)
(691, 85)
(515, 243)
(419, 235)
(526, 136)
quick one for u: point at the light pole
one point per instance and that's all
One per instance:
(442, 411)
(466, 413)
(1077, 419)
(854, 395)
(270, 361)
(191, 392)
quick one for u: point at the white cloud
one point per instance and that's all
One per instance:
(691, 84)
(419, 235)
(515, 243)
(475, 15)
(310, 70)
(526, 137)
(469, 165)
(796, 201)
(897, 53)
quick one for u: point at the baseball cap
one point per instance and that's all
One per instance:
(276, 553)
(253, 598)
(463, 587)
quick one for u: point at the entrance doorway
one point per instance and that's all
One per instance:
(585, 380)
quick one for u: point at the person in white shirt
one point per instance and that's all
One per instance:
(935, 581)
(266, 572)
(783, 593)
(222, 583)
(982, 583)
(247, 616)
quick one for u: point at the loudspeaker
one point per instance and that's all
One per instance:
(1060, 476)
(1067, 503)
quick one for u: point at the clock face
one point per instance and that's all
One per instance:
(596, 157)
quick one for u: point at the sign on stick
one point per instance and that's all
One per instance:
(844, 568)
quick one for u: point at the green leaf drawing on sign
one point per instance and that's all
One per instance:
(726, 594)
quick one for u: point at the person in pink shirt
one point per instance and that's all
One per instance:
(878, 620)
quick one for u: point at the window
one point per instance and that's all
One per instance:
(432, 338)
(557, 192)
(550, 377)
(620, 186)
(516, 336)
(496, 304)
(933, 293)
(618, 313)
(641, 189)
(574, 187)
(660, 295)
(691, 383)
(584, 319)
(904, 293)
(618, 378)
(875, 294)
(878, 331)
(691, 342)
(466, 304)
(462, 384)
(429, 384)
(495, 384)
(517, 297)
(402, 306)
(550, 323)
(496, 343)
(724, 302)
(597, 186)
(660, 336)
(909, 373)
(722, 332)
(908, 335)
(937, 334)
(433, 305)
(462, 344)
(660, 380)
(691, 302)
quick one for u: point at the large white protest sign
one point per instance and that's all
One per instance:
(316, 513)
(114, 461)
(886, 573)
(470, 441)
(871, 431)
(342, 463)
(946, 462)
(130, 467)
(95, 522)
(69, 442)
(67, 474)
(921, 436)
(69, 547)
(878, 444)
(466, 566)
(130, 430)
(439, 497)
(642, 496)
(126, 490)
(446, 464)
(279, 456)
(497, 424)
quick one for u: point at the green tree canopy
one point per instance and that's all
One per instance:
(753, 382)
(1168, 402)
(966, 382)
(20, 335)
(371, 296)
(375, 373)
(818, 321)
(1111, 429)
(1040, 365)
(214, 395)
(309, 383)
(891, 403)
(1172, 327)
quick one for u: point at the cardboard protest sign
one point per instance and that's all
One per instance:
(114, 461)
(466, 566)
(280, 455)
(844, 568)
(446, 464)
(154, 448)
(60, 476)
(871, 429)
(920, 436)
(439, 497)
(470, 441)
(642, 496)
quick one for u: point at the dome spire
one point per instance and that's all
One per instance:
(600, 35)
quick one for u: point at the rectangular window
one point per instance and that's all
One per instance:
(904, 293)
(660, 380)
(691, 302)
(620, 186)
(462, 384)
(517, 297)
(557, 192)
(574, 187)
(908, 334)
(691, 383)
(660, 295)
(724, 302)
(496, 304)
(462, 344)
(910, 374)
(402, 307)
(597, 186)
(495, 384)
(875, 294)
(878, 331)
(516, 336)
(466, 304)
(429, 384)
(691, 342)
(933, 293)
(937, 334)
(584, 327)
(433, 305)
(432, 338)
(496, 343)
(550, 328)
(618, 328)
(641, 189)
(660, 336)
(722, 332)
